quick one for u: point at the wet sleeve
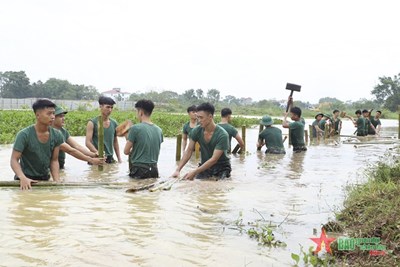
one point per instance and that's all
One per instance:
(293, 125)
(194, 134)
(184, 131)
(234, 131)
(20, 142)
(59, 138)
(132, 134)
(223, 141)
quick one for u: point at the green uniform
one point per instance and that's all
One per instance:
(314, 131)
(336, 123)
(375, 123)
(61, 155)
(272, 137)
(322, 124)
(219, 141)
(367, 126)
(232, 132)
(109, 135)
(36, 156)
(297, 135)
(361, 126)
(187, 129)
(146, 139)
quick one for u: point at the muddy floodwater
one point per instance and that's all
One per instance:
(193, 223)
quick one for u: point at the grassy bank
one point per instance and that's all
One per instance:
(371, 210)
(11, 121)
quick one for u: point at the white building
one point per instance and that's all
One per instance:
(116, 94)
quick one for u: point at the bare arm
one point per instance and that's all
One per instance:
(240, 141)
(260, 143)
(319, 130)
(285, 123)
(54, 166)
(378, 128)
(116, 148)
(70, 141)
(207, 165)
(185, 158)
(25, 183)
(128, 147)
(89, 136)
(184, 141)
(79, 155)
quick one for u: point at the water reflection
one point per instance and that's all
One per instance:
(35, 219)
(296, 165)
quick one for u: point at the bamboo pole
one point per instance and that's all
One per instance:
(259, 131)
(311, 132)
(178, 147)
(306, 136)
(197, 150)
(290, 137)
(100, 139)
(244, 138)
(326, 135)
(66, 184)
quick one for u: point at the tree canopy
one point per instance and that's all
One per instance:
(16, 84)
(387, 92)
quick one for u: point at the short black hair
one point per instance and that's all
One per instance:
(105, 100)
(191, 108)
(365, 111)
(226, 112)
(207, 107)
(358, 111)
(296, 111)
(380, 112)
(42, 103)
(336, 110)
(146, 105)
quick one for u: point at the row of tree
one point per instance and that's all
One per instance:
(16, 84)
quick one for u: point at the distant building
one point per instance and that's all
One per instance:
(116, 94)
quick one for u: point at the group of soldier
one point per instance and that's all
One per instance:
(365, 123)
(39, 149)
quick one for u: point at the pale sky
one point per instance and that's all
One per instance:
(242, 48)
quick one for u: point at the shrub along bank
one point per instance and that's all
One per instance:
(11, 121)
(372, 210)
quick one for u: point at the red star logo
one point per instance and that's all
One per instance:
(323, 241)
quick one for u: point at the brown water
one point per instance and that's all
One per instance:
(188, 225)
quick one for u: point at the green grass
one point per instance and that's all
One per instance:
(372, 209)
(12, 121)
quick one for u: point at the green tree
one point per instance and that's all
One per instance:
(189, 95)
(387, 92)
(213, 96)
(15, 84)
(200, 94)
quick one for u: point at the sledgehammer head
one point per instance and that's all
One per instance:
(293, 87)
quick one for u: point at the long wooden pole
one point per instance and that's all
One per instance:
(100, 139)
(311, 132)
(306, 136)
(67, 184)
(244, 138)
(259, 131)
(178, 147)
(197, 150)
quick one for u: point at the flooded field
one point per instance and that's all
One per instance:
(190, 225)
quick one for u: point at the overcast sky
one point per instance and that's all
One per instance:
(242, 48)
